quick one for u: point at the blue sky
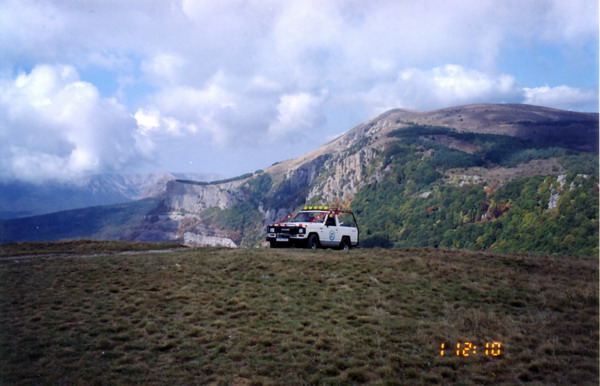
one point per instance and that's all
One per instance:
(232, 86)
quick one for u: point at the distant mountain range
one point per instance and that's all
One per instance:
(23, 199)
(487, 177)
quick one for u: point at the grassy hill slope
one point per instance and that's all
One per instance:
(294, 317)
(98, 222)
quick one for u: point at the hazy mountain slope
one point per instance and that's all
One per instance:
(101, 222)
(415, 179)
(21, 199)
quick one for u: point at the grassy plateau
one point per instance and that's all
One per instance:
(276, 316)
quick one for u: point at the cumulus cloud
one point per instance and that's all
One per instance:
(55, 126)
(163, 68)
(573, 21)
(440, 87)
(179, 110)
(562, 97)
(224, 74)
(297, 113)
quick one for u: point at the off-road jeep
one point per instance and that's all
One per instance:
(315, 227)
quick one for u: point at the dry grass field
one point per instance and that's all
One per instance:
(80, 247)
(261, 316)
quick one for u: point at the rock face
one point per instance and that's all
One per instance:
(194, 198)
(180, 215)
(343, 178)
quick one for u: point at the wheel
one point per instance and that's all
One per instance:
(312, 242)
(274, 244)
(345, 244)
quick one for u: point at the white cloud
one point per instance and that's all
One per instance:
(223, 74)
(440, 87)
(54, 126)
(152, 123)
(164, 68)
(181, 110)
(148, 120)
(562, 97)
(570, 21)
(297, 113)
(456, 84)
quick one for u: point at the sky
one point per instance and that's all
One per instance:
(232, 86)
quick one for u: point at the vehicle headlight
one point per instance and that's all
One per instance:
(271, 230)
(301, 231)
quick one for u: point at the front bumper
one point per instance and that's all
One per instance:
(283, 239)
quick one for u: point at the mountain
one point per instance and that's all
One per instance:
(105, 222)
(24, 199)
(487, 177)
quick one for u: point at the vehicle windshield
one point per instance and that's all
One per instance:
(308, 216)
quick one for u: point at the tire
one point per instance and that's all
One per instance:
(274, 244)
(312, 242)
(345, 244)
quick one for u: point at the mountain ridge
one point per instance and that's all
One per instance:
(25, 199)
(451, 117)
(410, 158)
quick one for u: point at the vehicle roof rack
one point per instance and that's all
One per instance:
(336, 210)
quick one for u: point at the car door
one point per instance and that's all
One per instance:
(323, 233)
(348, 227)
(329, 234)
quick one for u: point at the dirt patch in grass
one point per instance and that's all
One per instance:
(295, 317)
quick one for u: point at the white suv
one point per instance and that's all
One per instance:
(315, 227)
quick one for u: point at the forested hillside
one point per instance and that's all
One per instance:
(414, 206)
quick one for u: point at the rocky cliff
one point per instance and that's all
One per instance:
(180, 215)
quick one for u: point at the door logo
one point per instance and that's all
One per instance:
(332, 235)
